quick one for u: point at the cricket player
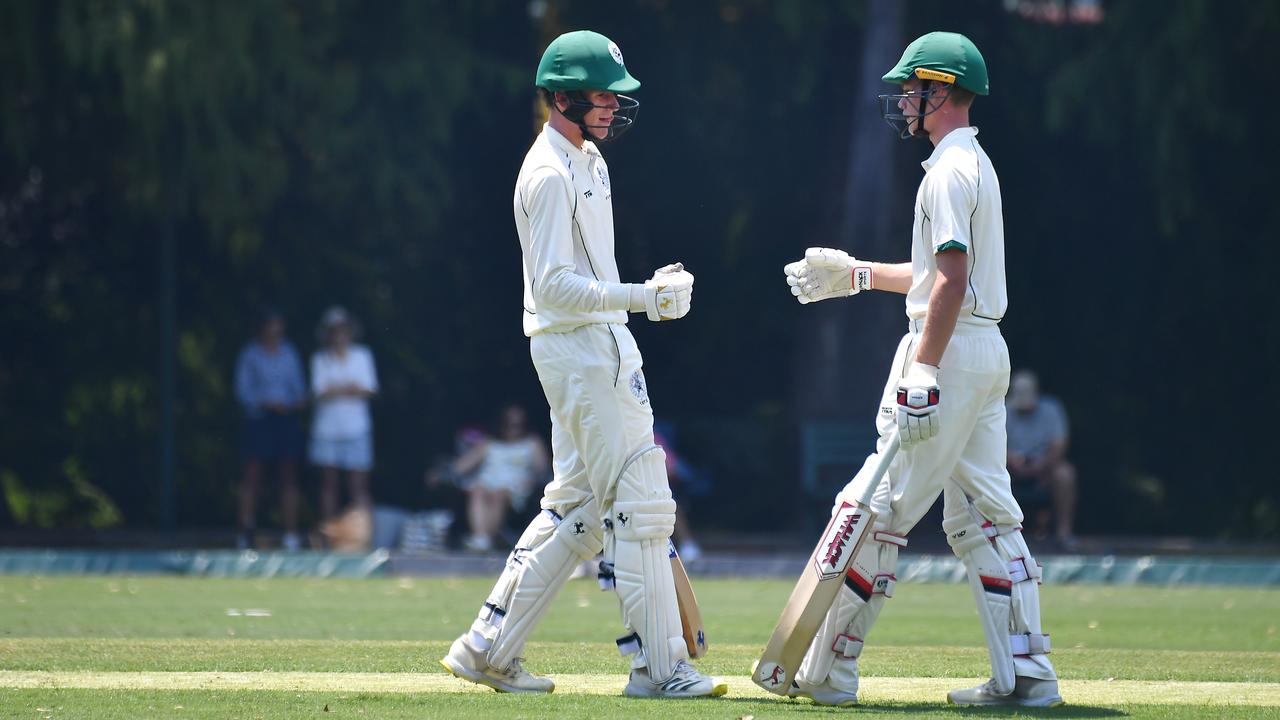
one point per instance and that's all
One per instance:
(945, 395)
(610, 489)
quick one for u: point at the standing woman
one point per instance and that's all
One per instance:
(342, 381)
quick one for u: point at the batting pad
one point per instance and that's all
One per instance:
(537, 568)
(991, 586)
(1029, 645)
(833, 656)
(642, 519)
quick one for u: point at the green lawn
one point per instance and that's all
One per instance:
(108, 647)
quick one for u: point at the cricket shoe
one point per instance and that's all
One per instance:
(1027, 692)
(472, 665)
(686, 682)
(823, 694)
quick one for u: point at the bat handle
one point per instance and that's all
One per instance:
(883, 461)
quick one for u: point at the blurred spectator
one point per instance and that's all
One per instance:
(683, 481)
(447, 471)
(271, 392)
(1043, 479)
(446, 481)
(342, 380)
(507, 468)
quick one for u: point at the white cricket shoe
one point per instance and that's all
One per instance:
(472, 665)
(686, 682)
(1027, 692)
(823, 694)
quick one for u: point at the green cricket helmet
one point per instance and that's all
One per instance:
(584, 60)
(940, 60)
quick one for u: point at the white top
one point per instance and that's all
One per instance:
(958, 205)
(345, 417)
(508, 465)
(564, 216)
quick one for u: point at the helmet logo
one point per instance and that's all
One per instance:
(615, 52)
(927, 74)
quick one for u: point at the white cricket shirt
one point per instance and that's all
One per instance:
(958, 206)
(564, 216)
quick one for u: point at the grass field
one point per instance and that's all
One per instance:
(111, 647)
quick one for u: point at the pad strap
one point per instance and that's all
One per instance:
(847, 647)
(606, 577)
(1023, 569)
(883, 584)
(991, 529)
(628, 644)
(890, 538)
(1029, 644)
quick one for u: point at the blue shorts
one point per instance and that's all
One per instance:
(344, 453)
(272, 437)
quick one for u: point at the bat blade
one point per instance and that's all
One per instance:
(820, 582)
(695, 637)
(812, 597)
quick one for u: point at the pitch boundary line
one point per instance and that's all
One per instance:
(875, 689)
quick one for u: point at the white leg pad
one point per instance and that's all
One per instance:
(991, 586)
(640, 522)
(537, 568)
(1030, 646)
(833, 656)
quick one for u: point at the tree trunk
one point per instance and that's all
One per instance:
(842, 367)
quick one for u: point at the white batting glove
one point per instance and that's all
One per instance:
(826, 273)
(918, 397)
(668, 295)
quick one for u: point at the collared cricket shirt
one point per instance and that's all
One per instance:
(564, 217)
(958, 206)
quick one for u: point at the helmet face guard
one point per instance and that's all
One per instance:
(624, 116)
(911, 124)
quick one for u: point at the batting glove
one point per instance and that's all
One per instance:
(826, 273)
(918, 396)
(668, 295)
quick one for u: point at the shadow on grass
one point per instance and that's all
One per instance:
(914, 709)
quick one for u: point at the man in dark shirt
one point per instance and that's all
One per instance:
(1038, 436)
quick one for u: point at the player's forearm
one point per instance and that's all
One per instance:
(890, 277)
(564, 289)
(940, 323)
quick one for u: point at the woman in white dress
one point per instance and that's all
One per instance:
(343, 379)
(508, 467)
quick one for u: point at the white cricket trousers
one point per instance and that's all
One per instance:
(969, 452)
(600, 413)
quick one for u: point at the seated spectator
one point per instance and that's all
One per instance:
(507, 468)
(1042, 477)
(448, 476)
(271, 391)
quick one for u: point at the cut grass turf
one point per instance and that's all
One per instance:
(1143, 651)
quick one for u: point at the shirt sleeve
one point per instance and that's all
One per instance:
(950, 198)
(556, 282)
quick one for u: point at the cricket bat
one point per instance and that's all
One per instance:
(690, 616)
(819, 583)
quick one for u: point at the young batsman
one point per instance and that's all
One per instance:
(610, 486)
(945, 395)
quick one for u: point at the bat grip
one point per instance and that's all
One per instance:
(883, 461)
